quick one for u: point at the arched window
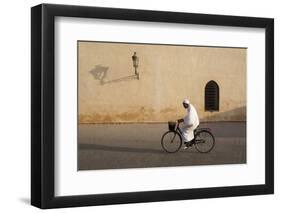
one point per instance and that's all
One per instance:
(212, 95)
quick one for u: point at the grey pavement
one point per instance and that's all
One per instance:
(116, 146)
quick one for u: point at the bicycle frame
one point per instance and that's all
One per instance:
(178, 129)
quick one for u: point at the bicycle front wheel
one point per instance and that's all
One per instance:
(171, 141)
(204, 141)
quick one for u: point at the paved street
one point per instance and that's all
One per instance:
(107, 146)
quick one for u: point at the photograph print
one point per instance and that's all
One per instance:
(160, 105)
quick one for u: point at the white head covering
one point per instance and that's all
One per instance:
(186, 101)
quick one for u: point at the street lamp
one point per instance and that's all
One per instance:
(136, 64)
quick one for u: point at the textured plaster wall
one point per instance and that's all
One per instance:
(109, 92)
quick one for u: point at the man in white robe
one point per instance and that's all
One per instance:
(190, 122)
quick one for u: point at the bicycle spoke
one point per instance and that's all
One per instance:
(171, 141)
(204, 141)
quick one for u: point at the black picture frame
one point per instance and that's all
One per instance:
(43, 110)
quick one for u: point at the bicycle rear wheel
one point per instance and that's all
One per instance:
(204, 141)
(171, 141)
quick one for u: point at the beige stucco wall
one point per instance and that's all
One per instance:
(168, 74)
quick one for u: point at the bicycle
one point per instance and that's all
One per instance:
(204, 140)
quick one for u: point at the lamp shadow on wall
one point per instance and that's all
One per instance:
(100, 73)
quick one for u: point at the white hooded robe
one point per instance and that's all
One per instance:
(191, 118)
